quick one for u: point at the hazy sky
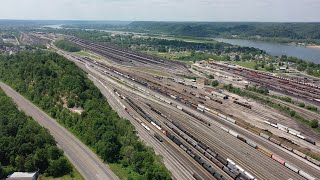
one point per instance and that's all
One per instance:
(165, 10)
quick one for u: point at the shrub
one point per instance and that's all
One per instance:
(314, 123)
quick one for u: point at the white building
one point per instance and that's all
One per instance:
(23, 176)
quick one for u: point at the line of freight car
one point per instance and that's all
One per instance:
(157, 136)
(217, 159)
(176, 97)
(145, 83)
(202, 148)
(243, 104)
(196, 176)
(271, 154)
(142, 113)
(195, 156)
(290, 131)
(196, 117)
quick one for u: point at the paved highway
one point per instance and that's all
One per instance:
(87, 163)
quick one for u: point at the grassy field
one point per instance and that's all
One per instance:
(86, 53)
(123, 173)
(173, 56)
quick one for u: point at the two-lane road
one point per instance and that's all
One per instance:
(88, 164)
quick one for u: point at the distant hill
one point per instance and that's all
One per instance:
(306, 31)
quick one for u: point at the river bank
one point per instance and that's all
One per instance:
(310, 53)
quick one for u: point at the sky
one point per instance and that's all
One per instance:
(163, 10)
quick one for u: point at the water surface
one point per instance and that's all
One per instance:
(278, 49)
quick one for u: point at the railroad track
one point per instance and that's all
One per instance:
(231, 147)
(181, 167)
(228, 146)
(122, 55)
(186, 164)
(285, 85)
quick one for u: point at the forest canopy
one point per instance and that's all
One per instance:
(54, 84)
(26, 146)
(67, 46)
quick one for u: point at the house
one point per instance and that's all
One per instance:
(23, 176)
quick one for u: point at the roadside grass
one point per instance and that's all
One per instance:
(123, 173)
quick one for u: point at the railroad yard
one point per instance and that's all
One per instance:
(202, 132)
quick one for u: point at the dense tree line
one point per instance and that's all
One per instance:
(67, 46)
(25, 145)
(52, 82)
(283, 32)
(276, 31)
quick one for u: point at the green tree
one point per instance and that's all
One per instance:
(59, 167)
(29, 164)
(311, 108)
(1, 172)
(314, 123)
(215, 83)
(246, 56)
(162, 49)
(67, 46)
(19, 162)
(41, 160)
(54, 152)
(270, 68)
(211, 76)
(237, 58)
(302, 67)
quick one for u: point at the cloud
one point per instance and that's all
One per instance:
(172, 10)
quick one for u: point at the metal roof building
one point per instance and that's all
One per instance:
(23, 176)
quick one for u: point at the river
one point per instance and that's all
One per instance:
(277, 49)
